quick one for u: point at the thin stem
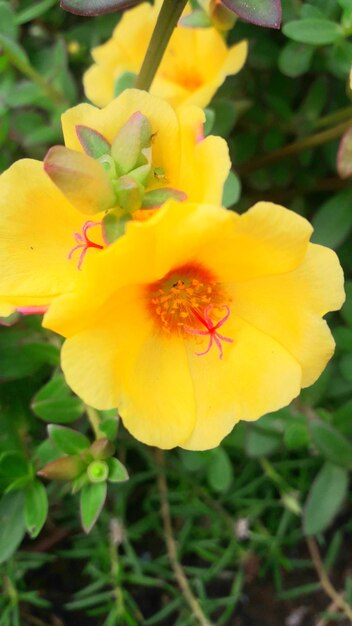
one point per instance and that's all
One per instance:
(324, 579)
(171, 544)
(94, 421)
(169, 15)
(297, 146)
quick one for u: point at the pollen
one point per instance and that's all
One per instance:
(189, 301)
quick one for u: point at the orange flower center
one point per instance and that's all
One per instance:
(189, 301)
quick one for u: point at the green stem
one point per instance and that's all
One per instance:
(297, 146)
(169, 15)
(94, 420)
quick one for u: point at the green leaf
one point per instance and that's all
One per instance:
(196, 19)
(209, 121)
(295, 59)
(92, 142)
(67, 440)
(232, 190)
(96, 7)
(33, 11)
(325, 498)
(314, 31)
(219, 471)
(36, 508)
(296, 434)
(92, 500)
(13, 465)
(261, 12)
(225, 117)
(126, 80)
(333, 222)
(56, 403)
(157, 197)
(12, 524)
(260, 443)
(346, 311)
(117, 471)
(8, 21)
(331, 444)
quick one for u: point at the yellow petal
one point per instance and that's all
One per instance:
(267, 239)
(118, 361)
(256, 376)
(36, 236)
(235, 59)
(289, 307)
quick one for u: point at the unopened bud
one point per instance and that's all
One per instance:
(102, 449)
(97, 471)
(65, 468)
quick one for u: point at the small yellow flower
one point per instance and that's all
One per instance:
(198, 318)
(194, 66)
(46, 236)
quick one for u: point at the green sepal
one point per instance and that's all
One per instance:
(92, 500)
(142, 175)
(35, 508)
(64, 468)
(126, 80)
(155, 198)
(129, 193)
(92, 142)
(81, 179)
(102, 449)
(68, 441)
(117, 471)
(113, 226)
(131, 139)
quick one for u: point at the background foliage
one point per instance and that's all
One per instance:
(252, 517)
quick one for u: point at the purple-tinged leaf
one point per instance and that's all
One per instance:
(90, 8)
(260, 12)
(92, 142)
(344, 155)
(81, 179)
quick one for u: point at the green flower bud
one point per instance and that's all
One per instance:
(97, 471)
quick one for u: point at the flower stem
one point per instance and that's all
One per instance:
(94, 420)
(169, 15)
(294, 148)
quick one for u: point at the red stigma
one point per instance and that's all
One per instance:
(84, 242)
(211, 329)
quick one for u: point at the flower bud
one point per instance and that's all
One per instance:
(97, 471)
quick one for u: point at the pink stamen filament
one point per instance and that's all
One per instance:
(211, 329)
(84, 242)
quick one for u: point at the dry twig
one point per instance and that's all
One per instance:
(325, 582)
(171, 544)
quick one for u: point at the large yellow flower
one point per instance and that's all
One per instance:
(198, 318)
(195, 64)
(45, 237)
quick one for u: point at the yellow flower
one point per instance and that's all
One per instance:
(44, 237)
(199, 318)
(194, 66)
